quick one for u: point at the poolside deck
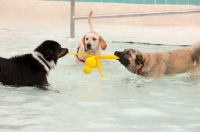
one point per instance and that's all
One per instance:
(166, 29)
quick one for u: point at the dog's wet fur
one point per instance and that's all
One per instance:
(158, 64)
(92, 43)
(31, 69)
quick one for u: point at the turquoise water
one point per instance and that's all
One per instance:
(125, 102)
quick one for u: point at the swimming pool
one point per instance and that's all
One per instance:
(125, 102)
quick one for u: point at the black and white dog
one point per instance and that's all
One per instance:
(31, 69)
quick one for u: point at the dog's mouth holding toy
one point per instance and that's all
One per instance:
(122, 59)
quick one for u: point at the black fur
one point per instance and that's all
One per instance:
(126, 54)
(25, 70)
(139, 60)
(122, 59)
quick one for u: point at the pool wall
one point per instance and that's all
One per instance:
(170, 2)
(59, 11)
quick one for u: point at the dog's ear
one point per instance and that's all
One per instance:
(103, 43)
(83, 39)
(139, 60)
(47, 53)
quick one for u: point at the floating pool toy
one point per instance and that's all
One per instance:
(94, 61)
(90, 63)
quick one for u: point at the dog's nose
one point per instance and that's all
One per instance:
(89, 46)
(117, 53)
(63, 52)
(66, 50)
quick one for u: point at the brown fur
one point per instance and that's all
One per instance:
(94, 39)
(158, 64)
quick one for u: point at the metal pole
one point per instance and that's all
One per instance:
(72, 20)
(137, 14)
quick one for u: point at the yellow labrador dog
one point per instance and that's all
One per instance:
(92, 43)
(159, 64)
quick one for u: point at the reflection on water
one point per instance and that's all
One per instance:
(126, 102)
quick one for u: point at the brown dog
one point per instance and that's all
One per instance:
(159, 64)
(92, 43)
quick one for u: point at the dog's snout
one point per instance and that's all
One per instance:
(117, 53)
(89, 45)
(66, 50)
(63, 52)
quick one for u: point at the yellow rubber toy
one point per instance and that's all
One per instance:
(87, 70)
(91, 62)
(94, 61)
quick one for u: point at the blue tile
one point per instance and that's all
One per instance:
(182, 2)
(171, 2)
(160, 1)
(194, 2)
(107, 1)
(86, 0)
(149, 2)
(117, 1)
(96, 0)
(127, 1)
(138, 1)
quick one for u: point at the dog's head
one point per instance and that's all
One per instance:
(132, 59)
(51, 50)
(93, 41)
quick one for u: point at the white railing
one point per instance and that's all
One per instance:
(73, 17)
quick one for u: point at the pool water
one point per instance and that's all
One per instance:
(126, 102)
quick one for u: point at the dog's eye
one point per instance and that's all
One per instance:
(94, 39)
(128, 52)
(52, 52)
(86, 38)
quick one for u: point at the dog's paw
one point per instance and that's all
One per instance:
(43, 86)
